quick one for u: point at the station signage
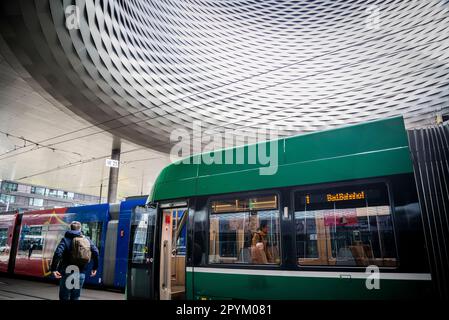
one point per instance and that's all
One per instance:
(112, 163)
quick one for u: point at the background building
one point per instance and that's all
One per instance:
(25, 197)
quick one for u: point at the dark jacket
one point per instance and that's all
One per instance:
(61, 258)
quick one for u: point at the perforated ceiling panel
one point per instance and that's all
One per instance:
(140, 69)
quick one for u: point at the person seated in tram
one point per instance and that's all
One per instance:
(259, 252)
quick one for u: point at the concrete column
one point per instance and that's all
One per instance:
(113, 172)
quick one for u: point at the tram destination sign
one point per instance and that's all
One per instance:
(335, 197)
(345, 196)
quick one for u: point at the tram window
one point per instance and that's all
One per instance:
(139, 245)
(244, 230)
(52, 233)
(4, 248)
(143, 233)
(181, 241)
(31, 241)
(347, 226)
(93, 231)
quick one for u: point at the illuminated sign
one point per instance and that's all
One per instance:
(345, 196)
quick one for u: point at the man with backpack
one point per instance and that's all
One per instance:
(70, 260)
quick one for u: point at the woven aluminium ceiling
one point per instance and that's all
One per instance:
(140, 69)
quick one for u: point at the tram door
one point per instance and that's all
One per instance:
(173, 259)
(140, 284)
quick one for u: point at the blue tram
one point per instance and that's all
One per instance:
(28, 239)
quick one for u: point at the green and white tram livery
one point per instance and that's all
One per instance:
(339, 219)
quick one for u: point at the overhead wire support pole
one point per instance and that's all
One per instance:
(114, 171)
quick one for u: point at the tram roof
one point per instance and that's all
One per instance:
(371, 149)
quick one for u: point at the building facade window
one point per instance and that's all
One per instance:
(7, 198)
(9, 186)
(23, 188)
(36, 202)
(52, 193)
(38, 190)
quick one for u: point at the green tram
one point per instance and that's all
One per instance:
(339, 219)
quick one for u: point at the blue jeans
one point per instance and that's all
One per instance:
(67, 290)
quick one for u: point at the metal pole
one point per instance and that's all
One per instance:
(113, 172)
(141, 185)
(101, 184)
(101, 191)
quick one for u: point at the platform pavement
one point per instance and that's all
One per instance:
(24, 289)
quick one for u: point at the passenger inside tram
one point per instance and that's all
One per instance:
(244, 230)
(259, 250)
